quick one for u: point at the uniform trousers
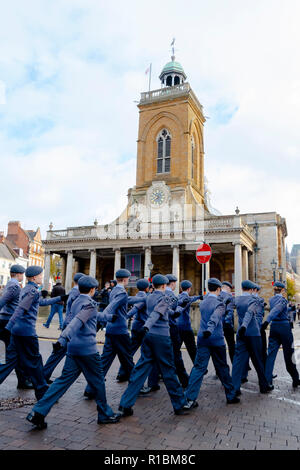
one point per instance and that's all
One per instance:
(155, 349)
(25, 350)
(229, 336)
(5, 336)
(281, 334)
(218, 355)
(115, 345)
(178, 361)
(91, 368)
(136, 341)
(248, 347)
(188, 338)
(53, 360)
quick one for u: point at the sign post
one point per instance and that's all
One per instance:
(203, 255)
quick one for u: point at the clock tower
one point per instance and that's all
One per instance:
(170, 154)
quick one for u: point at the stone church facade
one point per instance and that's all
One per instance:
(168, 215)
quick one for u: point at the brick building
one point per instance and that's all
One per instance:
(29, 241)
(168, 212)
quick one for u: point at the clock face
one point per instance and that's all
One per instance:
(157, 197)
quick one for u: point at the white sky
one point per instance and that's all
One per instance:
(71, 71)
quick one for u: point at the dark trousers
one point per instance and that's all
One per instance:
(155, 349)
(25, 350)
(136, 341)
(52, 361)
(178, 361)
(91, 368)
(229, 336)
(115, 345)
(5, 336)
(188, 338)
(281, 334)
(218, 355)
(248, 347)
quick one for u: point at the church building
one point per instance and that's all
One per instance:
(168, 214)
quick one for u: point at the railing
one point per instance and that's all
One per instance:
(183, 229)
(167, 91)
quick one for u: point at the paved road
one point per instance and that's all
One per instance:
(258, 422)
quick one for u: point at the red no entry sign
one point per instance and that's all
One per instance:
(203, 253)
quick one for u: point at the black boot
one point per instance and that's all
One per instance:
(233, 401)
(125, 411)
(37, 420)
(89, 395)
(25, 385)
(115, 418)
(267, 390)
(296, 383)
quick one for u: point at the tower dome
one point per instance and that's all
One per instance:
(172, 74)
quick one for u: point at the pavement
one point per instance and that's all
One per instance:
(265, 422)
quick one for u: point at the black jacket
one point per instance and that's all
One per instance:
(57, 290)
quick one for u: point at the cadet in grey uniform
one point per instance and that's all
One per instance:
(8, 304)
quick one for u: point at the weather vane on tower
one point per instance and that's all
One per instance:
(173, 49)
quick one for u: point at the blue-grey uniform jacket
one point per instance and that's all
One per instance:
(184, 320)
(23, 320)
(73, 294)
(278, 309)
(80, 334)
(173, 305)
(212, 310)
(158, 308)
(260, 310)
(9, 299)
(118, 304)
(247, 306)
(139, 311)
(228, 300)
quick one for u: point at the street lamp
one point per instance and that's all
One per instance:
(280, 270)
(150, 266)
(273, 265)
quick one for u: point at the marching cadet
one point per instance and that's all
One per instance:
(174, 331)
(80, 338)
(260, 318)
(8, 303)
(248, 344)
(117, 339)
(139, 312)
(156, 348)
(56, 356)
(228, 318)
(280, 334)
(186, 332)
(23, 335)
(211, 344)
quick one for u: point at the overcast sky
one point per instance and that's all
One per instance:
(71, 70)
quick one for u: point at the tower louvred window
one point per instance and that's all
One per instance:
(164, 152)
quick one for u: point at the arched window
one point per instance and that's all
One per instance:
(192, 157)
(176, 80)
(163, 151)
(169, 80)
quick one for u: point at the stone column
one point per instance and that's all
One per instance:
(117, 260)
(47, 271)
(147, 261)
(93, 261)
(69, 272)
(176, 266)
(237, 267)
(245, 264)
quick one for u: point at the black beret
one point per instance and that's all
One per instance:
(17, 269)
(185, 284)
(123, 273)
(159, 280)
(142, 284)
(32, 271)
(88, 281)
